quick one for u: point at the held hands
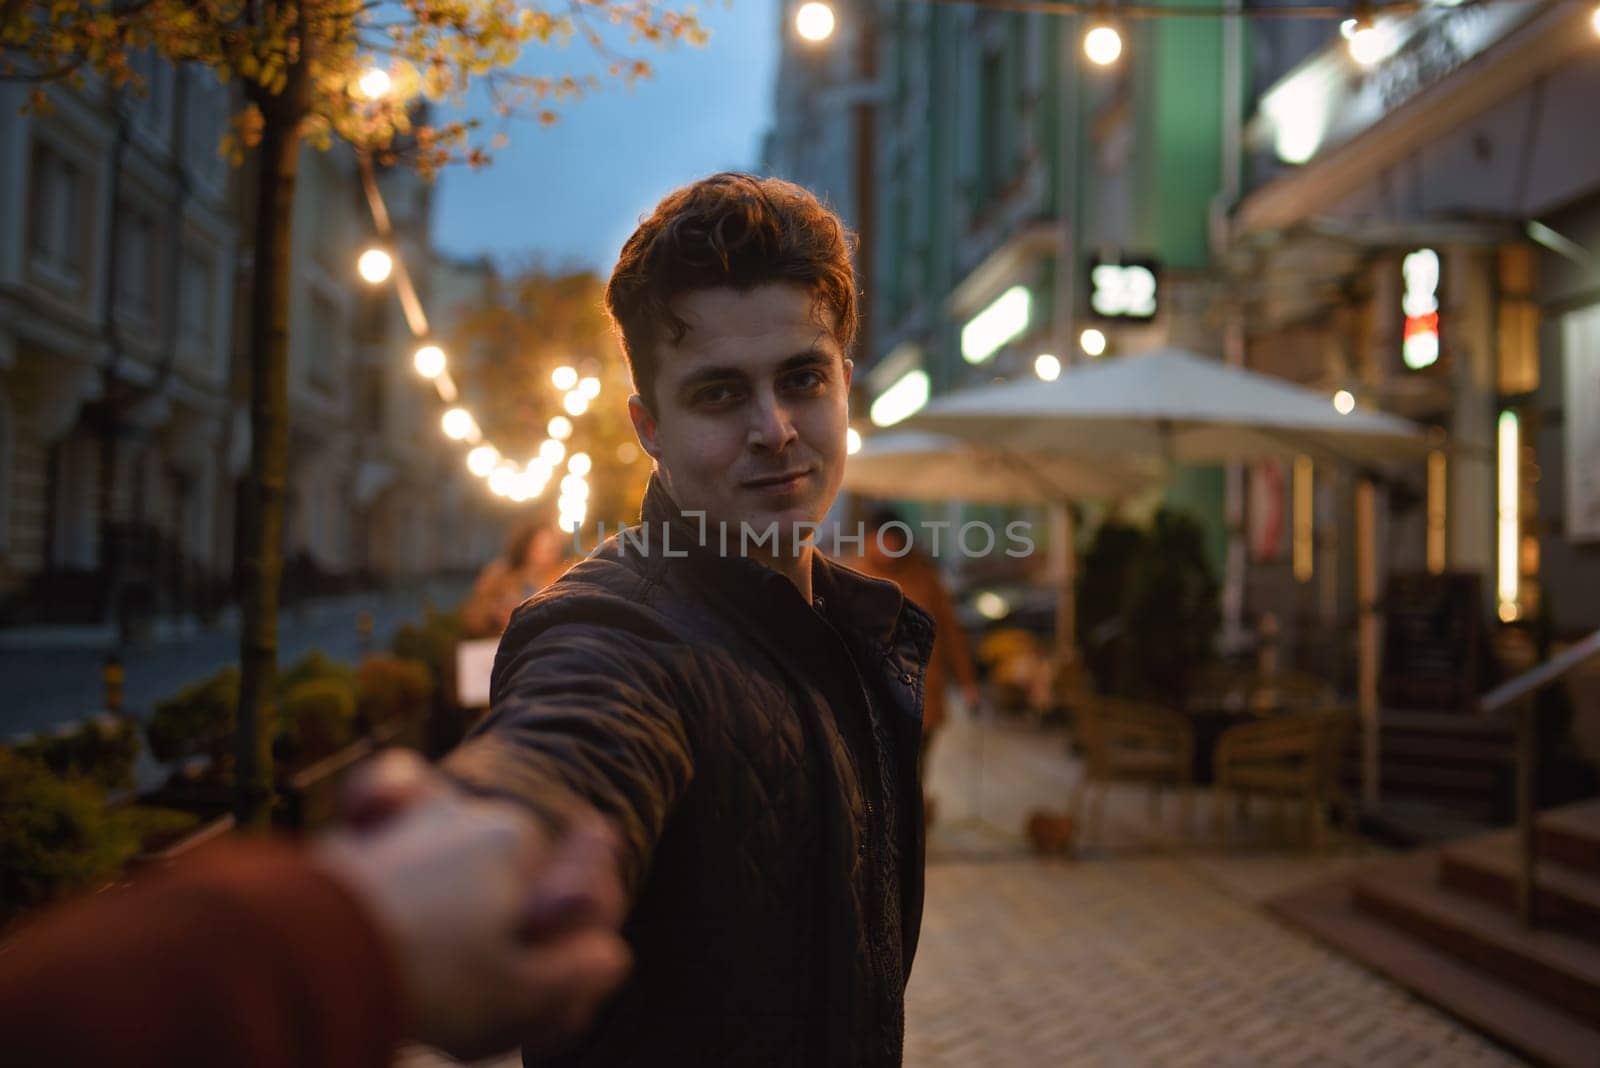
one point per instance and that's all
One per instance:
(502, 935)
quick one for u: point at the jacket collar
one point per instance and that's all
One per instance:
(868, 610)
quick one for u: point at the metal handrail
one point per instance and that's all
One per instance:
(1515, 694)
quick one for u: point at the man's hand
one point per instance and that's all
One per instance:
(503, 936)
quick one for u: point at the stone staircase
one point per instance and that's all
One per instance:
(1442, 924)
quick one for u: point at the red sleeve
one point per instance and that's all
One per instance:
(246, 956)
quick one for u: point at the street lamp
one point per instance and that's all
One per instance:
(375, 265)
(1103, 45)
(814, 21)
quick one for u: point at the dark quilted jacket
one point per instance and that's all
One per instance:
(759, 756)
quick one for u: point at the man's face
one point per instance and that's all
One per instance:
(749, 414)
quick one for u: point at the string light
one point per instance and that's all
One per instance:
(458, 424)
(814, 21)
(482, 460)
(429, 361)
(1103, 45)
(375, 266)
(1092, 342)
(504, 479)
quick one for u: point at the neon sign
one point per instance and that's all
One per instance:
(1420, 347)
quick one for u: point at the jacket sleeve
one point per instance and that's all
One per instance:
(246, 955)
(587, 712)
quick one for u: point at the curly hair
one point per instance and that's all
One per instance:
(729, 230)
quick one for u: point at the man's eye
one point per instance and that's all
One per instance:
(806, 380)
(714, 395)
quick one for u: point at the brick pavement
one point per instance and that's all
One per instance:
(1150, 949)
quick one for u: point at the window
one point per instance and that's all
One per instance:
(137, 268)
(206, 108)
(991, 122)
(74, 543)
(152, 100)
(56, 217)
(197, 310)
(325, 337)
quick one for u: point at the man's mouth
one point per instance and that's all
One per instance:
(785, 482)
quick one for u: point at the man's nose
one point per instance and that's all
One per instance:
(771, 427)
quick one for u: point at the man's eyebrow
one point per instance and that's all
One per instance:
(704, 375)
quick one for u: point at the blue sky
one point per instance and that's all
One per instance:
(571, 193)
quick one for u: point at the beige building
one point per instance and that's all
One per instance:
(124, 429)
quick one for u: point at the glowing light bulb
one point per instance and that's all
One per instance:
(1344, 402)
(1103, 45)
(482, 460)
(552, 452)
(580, 464)
(814, 21)
(564, 378)
(560, 428)
(375, 265)
(458, 424)
(1092, 342)
(574, 487)
(589, 387)
(429, 361)
(1047, 367)
(575, 403)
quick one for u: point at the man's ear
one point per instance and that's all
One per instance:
(849, 371)
(644, 425)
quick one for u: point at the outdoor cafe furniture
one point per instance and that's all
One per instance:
(1131, 741)
(1292, 757)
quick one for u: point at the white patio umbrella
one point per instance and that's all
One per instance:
(910, 465)
(1178, 407)
(1169, 405)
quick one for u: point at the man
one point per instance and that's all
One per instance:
(747, 712)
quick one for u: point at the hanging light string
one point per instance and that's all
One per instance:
(505, 477)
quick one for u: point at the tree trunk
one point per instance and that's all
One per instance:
(262, 541)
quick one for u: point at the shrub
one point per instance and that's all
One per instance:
(390, 688)
(197, 721)
(102, 751)
(56, 837)
(314, 665)
(1171, 613)
(317, 717)
(155, 828)
(1102, 589)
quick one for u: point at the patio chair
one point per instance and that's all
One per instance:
(1290, 691)
(1293, 757)
(1132, 741)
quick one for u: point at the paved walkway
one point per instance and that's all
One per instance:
(1149, 949)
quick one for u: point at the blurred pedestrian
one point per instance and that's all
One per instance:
(534, 557)
(745, 709)
(889, 552)
(447, 920)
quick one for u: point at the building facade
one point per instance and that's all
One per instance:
(124, 383)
